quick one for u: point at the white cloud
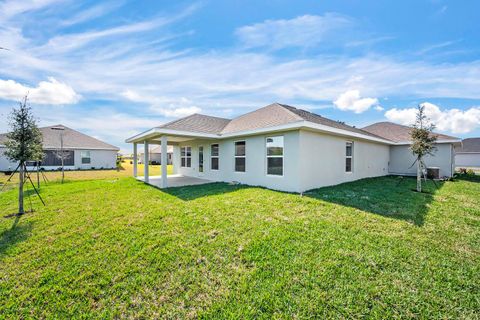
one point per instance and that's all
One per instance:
(141, 57)
(47, 92)
(180, 112)
(379, 108)
(352, 101)
(170, 108)
(11, 8)
(448, 120)
(91, 13)
(301, 31)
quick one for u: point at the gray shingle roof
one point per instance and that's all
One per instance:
(469, 145)
(197, 123)
(397, 132)
(315, 118)
(72, 139)
(270, 116)
(277, 114)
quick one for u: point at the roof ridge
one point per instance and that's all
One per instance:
(176, 120)
(287, 107)
(81, 133)
(190, 116)
(244, 114)
(329, 120)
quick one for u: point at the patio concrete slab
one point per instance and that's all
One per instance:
(175, 180)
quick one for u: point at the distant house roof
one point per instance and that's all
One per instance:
(398, 133)
(72, 139)
(471, 145)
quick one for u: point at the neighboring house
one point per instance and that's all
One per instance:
(81, 151)
(468, 154)
(402, 159)
(155, 155)
(284, 148)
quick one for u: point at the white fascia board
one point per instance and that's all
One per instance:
(347, 133)
(155, 132)
(284, 127)
(306, 124)
(438, 141)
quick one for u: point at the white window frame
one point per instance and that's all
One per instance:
(212, 156)
(186, 157)
(282, 156)
(235, 156)
(349, 157)
(89, 157)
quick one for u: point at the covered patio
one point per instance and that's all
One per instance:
(175, 180)
(164, 137)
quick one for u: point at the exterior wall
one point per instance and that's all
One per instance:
(155, 157)
(105, 159)
(255, 173)
(322, 160)
(467, 160)
(401, 160)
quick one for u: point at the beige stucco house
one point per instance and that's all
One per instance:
(467, 155)
(80, 151)
(284, 148)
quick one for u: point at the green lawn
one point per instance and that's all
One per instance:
(125, 171)
(118, 248)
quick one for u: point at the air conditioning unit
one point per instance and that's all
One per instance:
(433, 173)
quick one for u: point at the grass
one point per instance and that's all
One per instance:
(125, 171)
(117, 248)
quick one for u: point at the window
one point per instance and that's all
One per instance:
(348, 156)
(240, 156)
(200, 159)
(85, 155)
(54, 158)
(186, 157)
(275, 156)
(214, 156)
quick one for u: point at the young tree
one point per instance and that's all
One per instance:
(24, 143)
(61, 154)
(423, 141)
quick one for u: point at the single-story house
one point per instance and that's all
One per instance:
(467, 155)
(155, 155)
(285, 148)
(80, 151)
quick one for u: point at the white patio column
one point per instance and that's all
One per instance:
(135, 159)
(146, 160)
(164, 161)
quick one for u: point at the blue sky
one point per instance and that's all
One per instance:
(115, 68)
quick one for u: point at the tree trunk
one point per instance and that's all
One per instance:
(63, 170)
(20, 190)
(419, 175)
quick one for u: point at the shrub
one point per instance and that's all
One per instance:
(470, 172)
